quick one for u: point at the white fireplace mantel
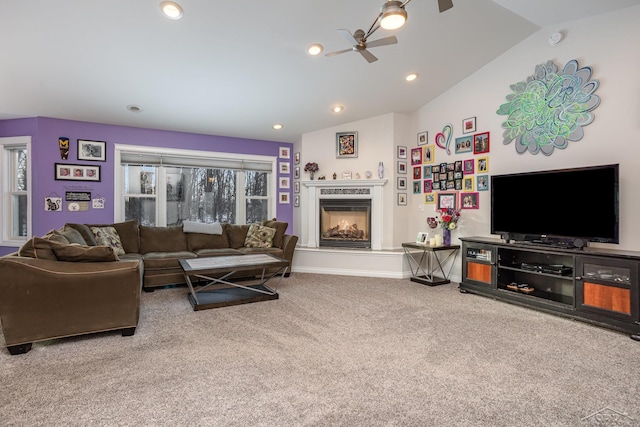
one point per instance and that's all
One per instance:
(372, 189)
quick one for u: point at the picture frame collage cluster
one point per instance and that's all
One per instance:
(87, 150)
(284, 178)
(454, 184)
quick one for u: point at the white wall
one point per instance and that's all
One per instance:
(607, 43)
(376, 143)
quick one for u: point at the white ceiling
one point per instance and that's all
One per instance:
(236, 68)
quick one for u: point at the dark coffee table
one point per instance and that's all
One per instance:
(217, 270)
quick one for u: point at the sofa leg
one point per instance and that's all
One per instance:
(127, 332)
(19, 349)
(148, 289)
(287, 274)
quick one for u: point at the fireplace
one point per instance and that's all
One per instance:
(345, 223)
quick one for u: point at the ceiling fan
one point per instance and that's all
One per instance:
(392, 16)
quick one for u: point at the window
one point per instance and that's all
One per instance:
(16, 215)
(169, 187)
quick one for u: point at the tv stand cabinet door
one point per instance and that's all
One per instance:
(478, 264)
(608, 287)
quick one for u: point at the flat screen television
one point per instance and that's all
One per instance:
(564, 207)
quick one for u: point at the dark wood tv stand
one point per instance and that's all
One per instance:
(599, 286)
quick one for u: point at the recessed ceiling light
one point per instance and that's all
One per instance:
(315, 49)
(171, 9)
(134, 108)
(411, 77)
(337, 108)
(278, 126)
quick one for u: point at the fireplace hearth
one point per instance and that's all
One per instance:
(345, 223)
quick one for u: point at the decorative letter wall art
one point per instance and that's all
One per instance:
(550, 108)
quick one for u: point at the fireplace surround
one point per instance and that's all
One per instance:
(370, 190)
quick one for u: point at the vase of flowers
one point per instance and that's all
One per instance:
(312, 168)
(448, 220)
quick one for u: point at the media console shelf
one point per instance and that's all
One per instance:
(599, 286)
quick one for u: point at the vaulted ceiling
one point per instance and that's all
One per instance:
(236, 68)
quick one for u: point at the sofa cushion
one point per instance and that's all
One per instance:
(39, 247)
(108, 236)
(85, 231)
(281, 229)
(259, 236)
(201, 227)
(162, 239)
(78, 253)
(197, 241)
(128, 232)
(164, 260)
(236, 234)
(204, 253)
(72, 235)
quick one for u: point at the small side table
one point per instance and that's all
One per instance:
(436, 259)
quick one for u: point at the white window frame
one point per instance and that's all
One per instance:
(118, 179)
(7, 179)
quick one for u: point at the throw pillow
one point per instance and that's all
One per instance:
(38, 247)
(108, 236)
(281, 228)
(78, 253)
(200, 227)
(259, 236)
(72, 235)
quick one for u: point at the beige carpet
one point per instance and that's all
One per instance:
(332, 351)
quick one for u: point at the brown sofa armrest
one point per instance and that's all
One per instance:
(289, 243)
(44, 299)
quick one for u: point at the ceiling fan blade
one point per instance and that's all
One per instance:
(445, 5)
(383, 42)
(338, 52)
(370, 57)
(348, 36)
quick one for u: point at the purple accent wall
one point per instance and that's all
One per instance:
(45, 152)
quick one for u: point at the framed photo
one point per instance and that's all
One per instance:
(429, 198)
(428, 155)
(296, 172)
(66, 172)
(402, 152)
(417, 172)
(470, 200)
(482, 164)
(422, 237)
(94, 151)
(467, 183)
(447, 200)
(426, 172)
(402, 183)
(464, 144)
(402, 167)
(296, 201)
(346, 144)
(296, 158)
(469, 167)
(402, 199)
(283, 197)
(417, 187)
(481, 143)
(482, 182)
(416, 156)
(427, 186)
(296, 186)
(469, 125)
(284, 182)
(285, 167)
(423, 137)
(284, 153)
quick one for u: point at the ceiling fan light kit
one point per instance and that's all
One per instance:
(392, 15)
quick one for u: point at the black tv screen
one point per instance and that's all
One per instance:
(579, 203)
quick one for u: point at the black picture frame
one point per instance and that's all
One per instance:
(92, 151)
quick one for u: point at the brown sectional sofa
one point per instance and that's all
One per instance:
(62, 285)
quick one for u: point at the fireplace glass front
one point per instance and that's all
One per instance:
(345, 223)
